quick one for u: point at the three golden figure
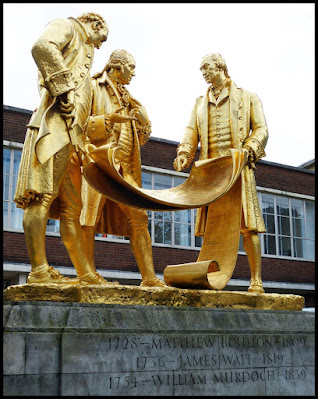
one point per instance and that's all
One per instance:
(79, 114)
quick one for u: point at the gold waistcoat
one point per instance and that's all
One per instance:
(219, 139)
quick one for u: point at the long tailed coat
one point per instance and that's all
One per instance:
(248, 129)
(64, 60)
(106, 100)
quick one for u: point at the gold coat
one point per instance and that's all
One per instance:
(64, 60)
(106, 100)
(248, 129)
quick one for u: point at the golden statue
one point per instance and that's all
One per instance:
(227, 117)
(118, 120)
(49, 180)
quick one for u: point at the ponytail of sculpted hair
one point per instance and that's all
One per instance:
(117, 60)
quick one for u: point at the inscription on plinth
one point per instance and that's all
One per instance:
(201, 364)
(70, 349)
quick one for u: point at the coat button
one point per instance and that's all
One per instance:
(82, 74)
(87, 65)
(89, 55)
(240, 117)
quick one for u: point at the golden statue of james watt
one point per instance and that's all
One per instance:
(49, 180)
(228, 117)
(118, 120)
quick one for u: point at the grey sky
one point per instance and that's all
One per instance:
(268, 47)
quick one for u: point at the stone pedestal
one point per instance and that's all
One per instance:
(85, 349)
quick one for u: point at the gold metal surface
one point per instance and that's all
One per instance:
(117, 120)
(220, 246)
(153, 296)
(49, 179)
(226, 118)
(208, 181)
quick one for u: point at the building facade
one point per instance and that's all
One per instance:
(286, 194)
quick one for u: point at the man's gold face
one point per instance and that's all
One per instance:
(128, 71)
(97, 34)
(210, 71)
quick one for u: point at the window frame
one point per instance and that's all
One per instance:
(304, 198)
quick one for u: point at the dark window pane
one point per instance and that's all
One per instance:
(298, 228)
(158, 232)
(270, 223)
(283, 226)
(241, 247)
(284, 246)
(16, 162)
(310, 249)
(267, 203)
(299, 248)
(146, 180)
(297, 208)
(5, 214)
(182, 216)
(269, 245)
(159, 215)
(310, 220)
(6, 160)
(198, 241)
(182, 234)
(16, 217)
(167, 233)
(179, 180)
(282, 205)
(162, 182)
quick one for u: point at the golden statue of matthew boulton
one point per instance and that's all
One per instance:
(49, 180)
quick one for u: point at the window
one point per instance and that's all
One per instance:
(290, 221)
(13, 216)
(290, 226)
(171, 228)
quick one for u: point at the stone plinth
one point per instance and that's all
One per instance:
(162, 296)
(85, 349)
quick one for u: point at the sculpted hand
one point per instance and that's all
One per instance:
(116, 117)
(141, 115)
(181, 162)
(67, 105)
(251, 158)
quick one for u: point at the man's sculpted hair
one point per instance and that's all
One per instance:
(117, 59)
(219, 62)
(92, 17)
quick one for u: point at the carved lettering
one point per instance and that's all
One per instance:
(176, 361)
(182, 343)
(197, 361)
(236, 360)
(178, 379)
(246, 342)
(242, 376)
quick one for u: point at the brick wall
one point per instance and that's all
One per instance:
(117, 256)
(14, 124)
